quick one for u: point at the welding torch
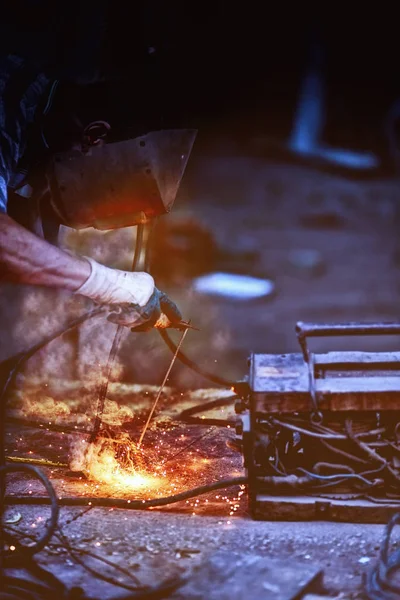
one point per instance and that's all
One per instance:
(163, 322)
(126, 314)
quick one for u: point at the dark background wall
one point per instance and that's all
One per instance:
(224, 66)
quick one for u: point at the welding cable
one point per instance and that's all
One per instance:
(314, 434)
(343, 453)
(343, 476)
(167, 339)
(187, 416)
(334, 466)
(192, 365)
(28, 551)
(337, 482)
(372, 454)
(134, 504)
(363, 474)
(379, 583)
(323, 429)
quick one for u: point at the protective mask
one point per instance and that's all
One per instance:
(122, 183)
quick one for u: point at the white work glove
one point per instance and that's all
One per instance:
(133, 299)
(112, 286)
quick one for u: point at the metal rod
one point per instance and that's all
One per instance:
(162, 387)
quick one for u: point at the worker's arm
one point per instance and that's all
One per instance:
(132, 297)
(26, 258)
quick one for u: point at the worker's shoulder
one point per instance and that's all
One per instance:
(21, 81)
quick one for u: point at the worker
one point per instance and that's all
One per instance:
(26, 98)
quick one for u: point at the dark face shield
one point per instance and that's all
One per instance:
(123, 183)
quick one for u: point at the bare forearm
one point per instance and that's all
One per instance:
(25, 258)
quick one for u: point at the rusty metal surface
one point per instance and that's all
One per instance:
(333, 418)
(345, 381)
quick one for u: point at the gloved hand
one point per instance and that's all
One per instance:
(143, 319)
(133, 298)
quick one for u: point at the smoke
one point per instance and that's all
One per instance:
(44, 409)
(36, 405)
(83, 353)
(112, 248)
(82, 454)
(116, 415)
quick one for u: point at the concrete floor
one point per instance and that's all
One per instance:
(156, 546)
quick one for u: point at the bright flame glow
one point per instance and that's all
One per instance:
(117, 463)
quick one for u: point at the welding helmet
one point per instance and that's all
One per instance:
(120, 184)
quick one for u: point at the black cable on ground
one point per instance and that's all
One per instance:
(23, 552)
(187, 416)
(133, 504)
(192, 365)
(380, 581)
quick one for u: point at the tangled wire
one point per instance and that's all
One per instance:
(359, 461)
